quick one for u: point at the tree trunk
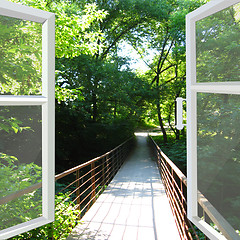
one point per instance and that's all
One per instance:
(177, 134)
(176, 131)
(161, 123)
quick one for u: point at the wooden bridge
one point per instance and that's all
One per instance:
(134, 205)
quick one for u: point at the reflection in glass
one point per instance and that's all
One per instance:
(20, 163)
(218, 46)
(218, 153)
(20, 57)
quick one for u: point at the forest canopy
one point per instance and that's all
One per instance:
(100, 98)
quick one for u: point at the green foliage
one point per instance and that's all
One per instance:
(175, 149)
(100, 100)
(11, 124)
(200, 234)
(18, 174)
(77, 30)
(78, 140)
(20, 68)
(97, 96)
(15, 177)
(218, 133)
(217, 36)
(88, 34)
(66, 218)
(100, 190)
(67, 95)
(167, 68)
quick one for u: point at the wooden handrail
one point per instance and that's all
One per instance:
(36, 186)
(222, 224)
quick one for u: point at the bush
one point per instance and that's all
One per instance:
(66, 218)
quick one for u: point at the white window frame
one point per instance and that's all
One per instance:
(192, 89)
(47, 101)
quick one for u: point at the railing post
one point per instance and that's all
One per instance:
(121, 157)
(93, 181)
(103, 171)
(159, 162)
(78, 189)
(112, 163)
(117, 163)
(107, 168)
(183, 212)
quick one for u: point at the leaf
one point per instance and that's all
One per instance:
(5, 127)
(15, 129)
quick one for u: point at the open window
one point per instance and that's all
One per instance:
(27, 56)
(213, 117)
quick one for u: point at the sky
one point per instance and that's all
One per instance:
(137, 63)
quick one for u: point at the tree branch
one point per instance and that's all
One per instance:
(135, 48)
(118, 38)
(165, 69)
(166, 55)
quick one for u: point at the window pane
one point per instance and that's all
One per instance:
(20, 163)
(218, 46)
(20, 57)
(218, 152)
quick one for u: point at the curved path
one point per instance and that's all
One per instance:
(133, 207)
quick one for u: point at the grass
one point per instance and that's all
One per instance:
(145, 126)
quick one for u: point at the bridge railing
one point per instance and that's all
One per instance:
(176, 188)
(85, 183)
(88, 180)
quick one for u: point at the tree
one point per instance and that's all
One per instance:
(166, 70)
(123, 18)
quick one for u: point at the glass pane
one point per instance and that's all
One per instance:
(218, 46)
(20, 163)
(20, 57)
(218, 153)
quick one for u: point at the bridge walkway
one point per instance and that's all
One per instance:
(133, 207)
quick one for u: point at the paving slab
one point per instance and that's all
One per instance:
(133, 207)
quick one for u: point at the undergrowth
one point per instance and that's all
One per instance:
(175, 150)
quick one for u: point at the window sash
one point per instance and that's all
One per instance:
(192, 89)
(47, 101)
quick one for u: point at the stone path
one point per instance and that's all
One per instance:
(133, 207)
